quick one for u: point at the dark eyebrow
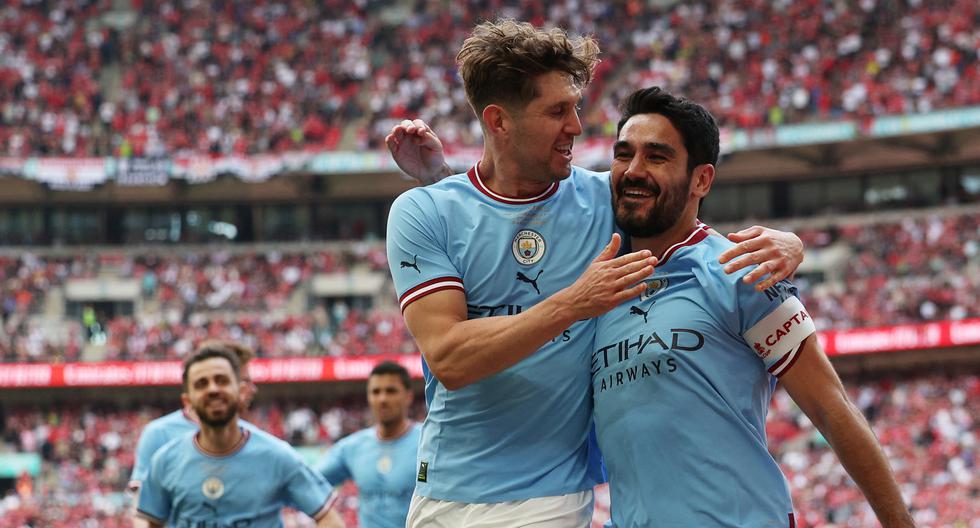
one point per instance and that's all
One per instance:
(654, 146)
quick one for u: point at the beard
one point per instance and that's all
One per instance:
(217, 421)
(644, 220)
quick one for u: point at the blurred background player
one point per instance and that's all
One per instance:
(165, 428)
(225, 474)
(682, 425)
(380, 459)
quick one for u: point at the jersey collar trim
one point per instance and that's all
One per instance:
(699, 233)
(474, 174)
(234, 449)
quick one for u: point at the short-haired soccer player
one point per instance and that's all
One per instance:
(224, 474)
(380, 459)
(682, 376)
(182, 421)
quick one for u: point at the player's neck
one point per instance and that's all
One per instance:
(220, 439)
(659, 244)
(394, 430)
(504, 177)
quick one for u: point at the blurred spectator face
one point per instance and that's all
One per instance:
(650, 182)
(543, 132)
(213, 391)
(388, 399)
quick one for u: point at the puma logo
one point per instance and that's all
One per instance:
(209, 506)
(533, 282)
(413, 264)
(635, 310)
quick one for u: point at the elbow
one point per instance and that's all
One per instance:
(448, 372)
(453, 383)
(450, 378)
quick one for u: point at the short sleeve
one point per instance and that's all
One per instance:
(417, 255)
(333, 464)
(154, 499)
(774, 323)
(306, 489)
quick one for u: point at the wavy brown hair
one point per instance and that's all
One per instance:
(500, 61)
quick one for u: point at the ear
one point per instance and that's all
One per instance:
(496, 119)
(185, 400)
(701, 180)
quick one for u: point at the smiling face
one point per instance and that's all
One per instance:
(544, 131)
(650, 181)
(213, 391)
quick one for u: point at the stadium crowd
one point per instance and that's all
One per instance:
(917, 269)
(920, 268)
(184, 78)
(927, 425)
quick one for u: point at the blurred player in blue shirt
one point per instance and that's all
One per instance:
(682, 376)
(180, 422)
(380, 459)
(225, 475)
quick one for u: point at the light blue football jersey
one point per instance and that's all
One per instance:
(157, 433)
(187, 486)
(682, 379)
(523, 432)
(384, 471)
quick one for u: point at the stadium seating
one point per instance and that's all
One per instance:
(920, 268)
(226, 78)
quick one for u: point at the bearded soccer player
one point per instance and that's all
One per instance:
(682, 377)
(165, 428)
(380, 459)
(224, 474)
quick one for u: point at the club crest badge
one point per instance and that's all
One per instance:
(528, 247)
(654, 285)
(384, 465)
(213, 488)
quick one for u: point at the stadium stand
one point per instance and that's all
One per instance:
(226, 78)
(874, 272)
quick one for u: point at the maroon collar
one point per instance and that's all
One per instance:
(474, 174)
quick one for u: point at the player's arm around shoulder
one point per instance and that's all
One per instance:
(459, 351)
(817, 390)
(776, 255)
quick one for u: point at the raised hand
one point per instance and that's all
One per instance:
(778, 254)
(417, 151)
(608, 281)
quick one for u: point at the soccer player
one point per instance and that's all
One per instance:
(682, 376)
(165, 428)
(509, 398)
(224, 474)
(380, 459)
